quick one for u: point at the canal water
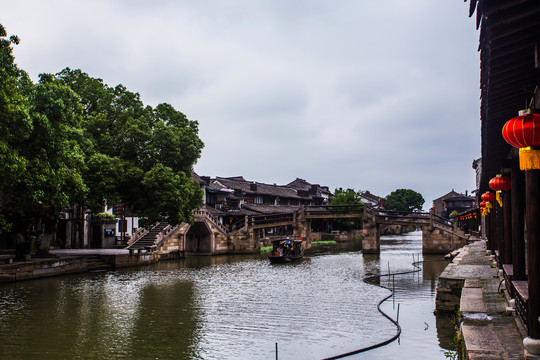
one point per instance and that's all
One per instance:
(231, 307)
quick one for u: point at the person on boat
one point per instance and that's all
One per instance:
(280, 251)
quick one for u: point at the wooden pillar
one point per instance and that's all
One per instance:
(532, 214)
(518, 224)
(507, 228)
(487, 221)
(493, 219)
(499, 232)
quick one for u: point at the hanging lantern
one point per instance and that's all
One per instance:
(523, 132)
(500, 183)
(488, 196)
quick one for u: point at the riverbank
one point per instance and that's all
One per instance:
(470, 284)
(71, 261)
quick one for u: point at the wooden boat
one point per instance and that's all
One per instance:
(286, 250)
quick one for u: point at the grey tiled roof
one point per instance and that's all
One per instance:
(261, 189)
(271, 209)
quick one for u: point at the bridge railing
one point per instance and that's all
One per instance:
(164, 234)
(238, 224)
(204, 213)
(409, 215)
(271, 218)
(441, 220)
(334, 209)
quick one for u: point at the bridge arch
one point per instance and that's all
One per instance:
(439, 235)
(199, 239)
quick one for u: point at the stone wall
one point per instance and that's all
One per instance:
(174, 243)
(348, 236)
(40, 268)
(222, 243)
(448, 294)
(439, 241)
(242, 243)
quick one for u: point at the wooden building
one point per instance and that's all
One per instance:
(452, 202)
(230, 199)
(509, 49)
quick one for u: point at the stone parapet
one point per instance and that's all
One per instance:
(438, 241)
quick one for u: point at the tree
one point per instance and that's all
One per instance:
(137, 155)
(72, 139)
(39, 144)
(347, 197)
(404, 200)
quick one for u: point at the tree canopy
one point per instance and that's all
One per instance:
(70, 138)
(404, 200)
(347, 197)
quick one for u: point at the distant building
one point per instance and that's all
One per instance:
(371, 199)
(320, 194)
(452, 201)
(233, 198)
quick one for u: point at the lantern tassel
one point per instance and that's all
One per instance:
(498, 195)
(529, 158)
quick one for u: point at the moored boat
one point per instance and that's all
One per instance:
(286, 250)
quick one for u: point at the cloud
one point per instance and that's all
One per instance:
(345, 94)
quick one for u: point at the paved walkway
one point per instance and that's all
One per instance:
(488, 330)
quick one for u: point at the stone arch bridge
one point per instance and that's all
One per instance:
(439, 235)
(208, 236)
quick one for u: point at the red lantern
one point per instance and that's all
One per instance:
(488, 196)
(500, 183)
(483, 204)
(523, 132)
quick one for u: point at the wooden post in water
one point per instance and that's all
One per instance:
(518, 224)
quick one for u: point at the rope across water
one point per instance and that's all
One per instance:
(369, 280)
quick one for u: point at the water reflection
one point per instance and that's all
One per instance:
(227, 307)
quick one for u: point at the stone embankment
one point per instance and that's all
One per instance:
(470, 284)
(64, 262)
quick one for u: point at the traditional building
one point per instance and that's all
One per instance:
(452, 202)
(230, 199)
(510, 82)
(372, 199)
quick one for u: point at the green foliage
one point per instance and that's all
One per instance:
(347, 197)
(104, 216)
(404, 200)
(39, 143)
(324, 242)
(137, 155)
(71, 138)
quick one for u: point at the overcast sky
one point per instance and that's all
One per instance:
(370, 95)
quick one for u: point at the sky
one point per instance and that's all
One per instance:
(368, 95)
